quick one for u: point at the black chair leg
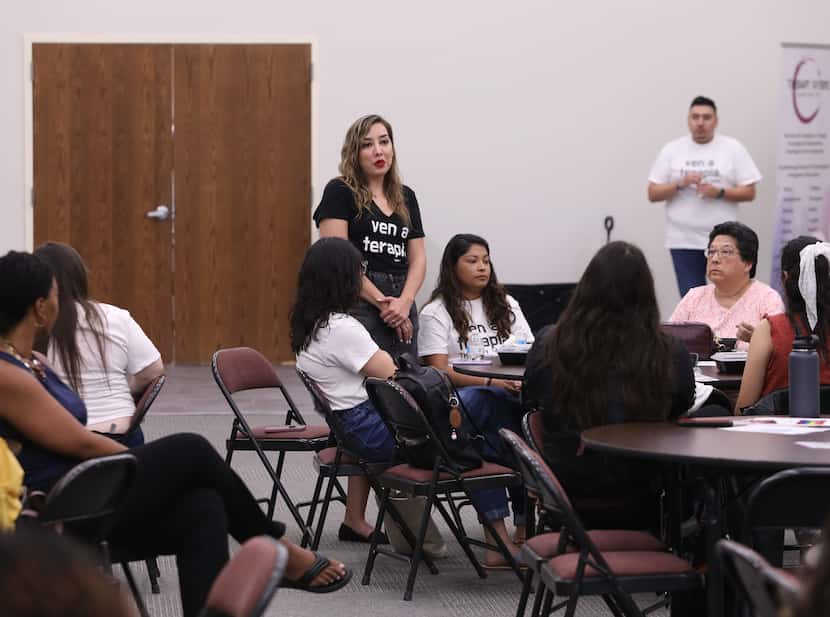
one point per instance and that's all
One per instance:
(312, 509)
(520, 610)
(373, 548)
(418, 551)
(543, 603)
(139, 602)
(153, 573)
(461, 538)
(275, 489)
(324, 511)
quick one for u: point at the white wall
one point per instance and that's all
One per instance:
(526, 121)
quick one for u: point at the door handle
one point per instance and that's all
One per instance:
(160, 213)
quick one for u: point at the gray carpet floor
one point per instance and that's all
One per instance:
(191, 402)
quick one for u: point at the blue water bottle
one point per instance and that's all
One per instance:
(804, 378)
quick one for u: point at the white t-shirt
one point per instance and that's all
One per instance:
(334, 359)
(127, 351)
(723, 162)
(437, 335)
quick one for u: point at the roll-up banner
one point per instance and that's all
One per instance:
(803, 175)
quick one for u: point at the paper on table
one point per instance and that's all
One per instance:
(701, 378)
(780, 425)
(817, 445)
(706, 363)
(774, 429)
(461, 362)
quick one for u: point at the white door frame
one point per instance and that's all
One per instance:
(158, 38)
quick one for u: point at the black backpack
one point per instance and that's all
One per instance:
(437, 398)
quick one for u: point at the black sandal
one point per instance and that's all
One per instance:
(304, 582)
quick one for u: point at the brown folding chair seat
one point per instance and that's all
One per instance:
(333, 462)
(580, 566)
(240, 369)
(764, 589)
(248, 582)
(407, 423)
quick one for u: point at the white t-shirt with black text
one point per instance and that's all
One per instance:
(437, 334)
(381, 239)
(723, 162)
(334, 358)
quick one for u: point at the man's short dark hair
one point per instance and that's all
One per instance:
(704, 100)
(745, 238)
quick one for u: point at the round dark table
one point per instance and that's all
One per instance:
(495, 369)
(721, 453)
(666, 441)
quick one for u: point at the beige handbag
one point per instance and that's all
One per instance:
(411, 510)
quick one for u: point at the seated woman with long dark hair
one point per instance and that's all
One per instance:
(337, 352)
(605, 362)
(805, 274)
(97, 348)
(468, 302)
(184, 500)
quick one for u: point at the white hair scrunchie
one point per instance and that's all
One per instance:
(807, 277)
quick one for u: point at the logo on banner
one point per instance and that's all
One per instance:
(807, 86)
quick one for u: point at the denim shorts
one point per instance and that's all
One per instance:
(367, 435)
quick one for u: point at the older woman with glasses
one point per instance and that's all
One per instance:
(734, 303)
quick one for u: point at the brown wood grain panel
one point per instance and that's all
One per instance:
(103, 153)
(242, 160)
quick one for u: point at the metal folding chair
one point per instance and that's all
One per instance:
(242, 368)
(408, 425)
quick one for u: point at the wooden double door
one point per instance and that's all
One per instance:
(220, 136)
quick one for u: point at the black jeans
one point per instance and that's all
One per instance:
(386, 337)
(185, 501)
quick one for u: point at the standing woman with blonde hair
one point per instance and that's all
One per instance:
(369, 206)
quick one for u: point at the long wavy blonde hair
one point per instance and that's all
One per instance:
(353, 175)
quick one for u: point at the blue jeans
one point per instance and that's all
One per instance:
(689, 267)
(367, 435)
(489, 409)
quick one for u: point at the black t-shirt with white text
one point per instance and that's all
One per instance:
(380, 239)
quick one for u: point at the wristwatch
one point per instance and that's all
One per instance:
(721, 193)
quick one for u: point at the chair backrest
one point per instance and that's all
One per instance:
(86, 499)
(321, 404)
(696, 335)
(407, 423)
(792, 498)
(763, 588)
(248, 582)
(777, 403)
(241, 368)
(533, 429)
(553, 499)
(147, 398)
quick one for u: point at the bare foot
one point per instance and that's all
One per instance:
(300, 560)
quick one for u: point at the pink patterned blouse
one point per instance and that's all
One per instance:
(699, 304)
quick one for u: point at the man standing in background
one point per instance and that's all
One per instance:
(701, 177)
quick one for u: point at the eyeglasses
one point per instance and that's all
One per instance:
(724, 253)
